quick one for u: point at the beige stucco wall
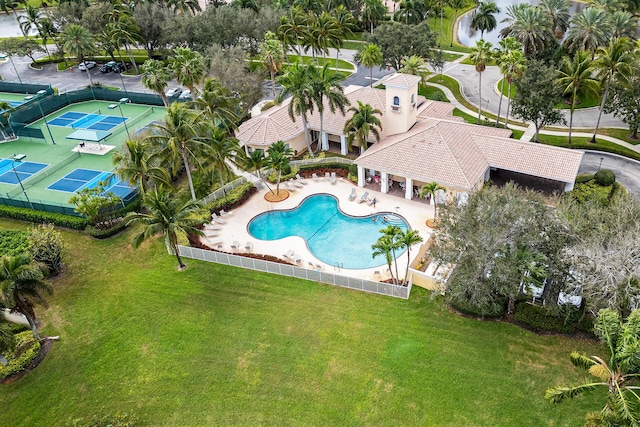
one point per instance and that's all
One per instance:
(399, 120)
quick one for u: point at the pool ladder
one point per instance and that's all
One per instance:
(338, 266)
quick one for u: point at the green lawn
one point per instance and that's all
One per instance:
(584, 143)
(588, 102)
(218, 345)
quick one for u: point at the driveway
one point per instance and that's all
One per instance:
(627, 170)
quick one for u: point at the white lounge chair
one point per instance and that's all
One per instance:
(327, 176)
(289, 254)
(294, 183)
(364, 197)
(248, 246)
(210, 233)
(333, 178)
(217, 243)
(288, 187)
(212, 226)
(225, 213)
(315, 177)
(217, 219)
(353, 194)
(300, 179)
(235, 245)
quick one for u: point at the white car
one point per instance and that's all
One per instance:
(173, 92)
(86, 65)
(186, 94)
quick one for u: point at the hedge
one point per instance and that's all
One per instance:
(41, 217)
(540, 319)
(13, 242)
(17, 364)
(233, 198)
(463, 307)
(102, 233)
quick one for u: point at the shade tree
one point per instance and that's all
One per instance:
(398, 40)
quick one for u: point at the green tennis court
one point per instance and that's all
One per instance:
(67, 155)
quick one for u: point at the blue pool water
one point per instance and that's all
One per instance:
(331, 236)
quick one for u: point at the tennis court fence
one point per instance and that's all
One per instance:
(330, 278)
(40, 205)
(47, 172)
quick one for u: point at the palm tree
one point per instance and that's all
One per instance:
(48, 30)
(125, 32)
(296, 83)
(393, 233)
(612, 63)
(415, 66)
(558, 11)
(293, 29)
(480, 54)
(225, 153)
(325, 33)
(456, 5)
(575, 80)
(385, 245)
(608, 6)
(181, 137)
(184, 6)
(278, 159)
(373, 11)
(530, 26)
(272, 57)
(512, 65)
(507, 45)
(218, 104)
(30, 19)
(407, 239)
(369, 56)
(155, 76)
(327, 87)
(137, 164)
(79, 42)
(484, 18)
(431, 190)
(618, 375)
(623, 24)
(346, 24)
(254, 162)
(188, 67)
(362, 124)
(22, 286)
(590, 29)
(165, 213)
(410, 11)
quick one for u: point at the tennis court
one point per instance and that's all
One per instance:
(77, 120)
(80, 179)
(23, 170)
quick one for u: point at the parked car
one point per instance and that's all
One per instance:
(86, 65)
(186, 94)
(176, 91)
(108, 67)
(120, 67)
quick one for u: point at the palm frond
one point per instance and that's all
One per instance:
(558, 394)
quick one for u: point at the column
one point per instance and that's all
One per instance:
(343, 145)
(360, 176)
(325, 141)
(384, 182)
(568, 186)
(408, 190)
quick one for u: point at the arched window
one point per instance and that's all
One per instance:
(413, 98)
(396, 100)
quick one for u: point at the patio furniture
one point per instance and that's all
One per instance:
(210, 233)
(212, 226)
(288, 187)
(217, 243)
(300, 179)
(353, 194)
(235, 245)
(364, 197)
(564, 298)
(289, 254)
(217, 219)
(327, 176)
(248, 246)
(225, 213)
(295, 183)
(315, 177)
(333, 178)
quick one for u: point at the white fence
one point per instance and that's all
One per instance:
(319, 162)
(294, 271)
(222, 191)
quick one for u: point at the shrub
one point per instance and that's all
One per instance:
(105, 233)
(605, 177)
(591, 192)
(27, 349)
(41, 217)
(541, 319)
(583, 178)
(13, 242)
(353, 169)
(273, 177)
(234, 198)
(463, 307)
(46, 247)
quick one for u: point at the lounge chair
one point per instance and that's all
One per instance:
(333, 178)
(300, 179)
(288, 187)
(319, 266)
(294, 183)
(217, 243)
(235, 245)
(210, 233)
(289, 254)
(327, 176)
(364, 197)
(248, 246)
(372, 201)
(353, 194)
(315, 177)
(225, 213)
(212, 226)
(217, 219)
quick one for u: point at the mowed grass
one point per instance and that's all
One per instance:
(216, 345)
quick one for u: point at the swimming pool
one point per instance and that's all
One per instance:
(333, 237)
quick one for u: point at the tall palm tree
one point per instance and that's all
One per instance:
(138, 164)
(218, 104)
(507, 45)
(188, 67)
(272, 57)
(181, 136)
(410, 11)
(346, 24)
(184, 6)
(29, 21)
(155, 76)
(325, 33)
(407, 239)
(484, 18)
(558, 11)
(328, 90)
(512, 66)
(373, 11)
(254, 162)
(362, 125)
(225, 154)
(22, 286)
(415, 66)
(456, 5)
(431, 190)
(530, 26)
(165, 213)
(480, 54)
(618, 375)
(590, 29)
(79, 42)
(369, 56)
(575, 79)
(125, 32)
(393, 232)
(278, 159)
(297, 84)
(612, 63)
(623, 24)
(385, 245)
(293, 29)
(47, 30)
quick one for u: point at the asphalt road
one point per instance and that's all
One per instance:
(627, 170)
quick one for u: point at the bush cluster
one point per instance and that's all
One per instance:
(463, 307)
(605, 177)
(233, 198)
(27, 349)
(540, 319)
(41, 217)
(273, 177)
(13, 242)
(105, 233)
(590, 191)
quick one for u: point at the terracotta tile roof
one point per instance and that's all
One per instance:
(400, 79)
(556, 163)
(270, 126)
(438, 110)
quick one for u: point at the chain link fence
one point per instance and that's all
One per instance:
(334, 279)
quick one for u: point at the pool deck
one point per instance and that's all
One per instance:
(235, 227)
